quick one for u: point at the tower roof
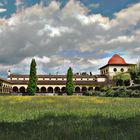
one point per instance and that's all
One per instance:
(116, 59)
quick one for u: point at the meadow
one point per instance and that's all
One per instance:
(69, 118)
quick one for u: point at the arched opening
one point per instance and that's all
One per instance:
(50, 90)
(57, 90)
(77, 89)
(43, 90)
(37, 90)
(84, 89)
(63, 89)
(90, 89)
(97, 88)
(22, 89)
(15, 89)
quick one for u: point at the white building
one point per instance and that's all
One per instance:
(115, 65)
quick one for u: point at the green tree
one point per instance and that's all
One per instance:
(70, 84)
(122, 79)
(32, 85)
(135, 73)
(1, 83)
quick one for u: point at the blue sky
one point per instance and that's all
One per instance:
(82, 34)
(105, 7)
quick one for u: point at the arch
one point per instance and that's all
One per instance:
(57, 90)
(50, 90)
(84, 89)
(97, 88)
(63, 89)
(90, 89)
(37, 89)
(15, 89)
(22, 89)
(43, 90)
(77, 89)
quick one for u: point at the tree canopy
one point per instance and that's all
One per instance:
(32, 85)
(70, 84)
(122, 79)
(135, 73)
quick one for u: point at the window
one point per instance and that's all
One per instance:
(115, 70)
(122, 70)
(106, 71)
(102, 72)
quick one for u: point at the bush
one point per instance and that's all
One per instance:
(94, 93)
(87, 93)
(120, 92)
(135, 93)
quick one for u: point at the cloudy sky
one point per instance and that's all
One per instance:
(82, 34)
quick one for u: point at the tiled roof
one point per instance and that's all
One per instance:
(56, 76)
(6, 81)
(117, 65)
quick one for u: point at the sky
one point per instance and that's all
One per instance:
(82, 34)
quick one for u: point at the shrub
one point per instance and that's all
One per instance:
(135, 93)
(120, 92)
(87, 93)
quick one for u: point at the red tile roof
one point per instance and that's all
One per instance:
(6, 81)
(116, 59)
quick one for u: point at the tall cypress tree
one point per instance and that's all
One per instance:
(70, 84)
(32, 85)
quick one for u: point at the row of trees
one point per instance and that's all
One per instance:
(32, 85)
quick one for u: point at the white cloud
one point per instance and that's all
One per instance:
(122, 39)
(2, 10)
(59, 38)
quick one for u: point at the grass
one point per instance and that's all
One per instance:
(69, 118)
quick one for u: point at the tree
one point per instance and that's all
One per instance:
(70, 84)
(135, 73)
(32, 85)
(1, 83)
(122, 79)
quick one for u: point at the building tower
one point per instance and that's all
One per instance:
(115, 65)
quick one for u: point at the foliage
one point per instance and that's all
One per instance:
(122, 79)
(1, 83)
(32, 85)
(70, 84)
(69, 118)
(109, 92)
(135, 73)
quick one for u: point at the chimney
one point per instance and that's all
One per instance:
(9, 72)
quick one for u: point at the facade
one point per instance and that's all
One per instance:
(57, 83)
(5, 86)
(17, 83)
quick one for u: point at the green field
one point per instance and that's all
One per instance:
(69, 118)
